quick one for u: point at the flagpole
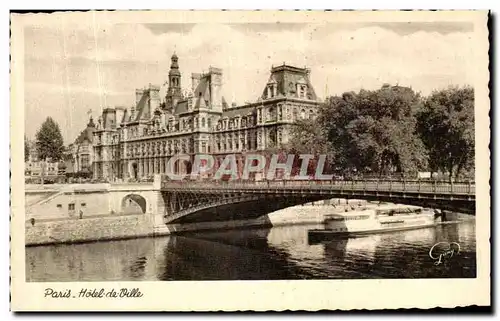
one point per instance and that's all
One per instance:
(326, 88)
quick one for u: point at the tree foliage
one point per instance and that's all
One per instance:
(446, 125)
(374, 131)
(49, 141)
(26, 149)
(393, 130)
(310, 137)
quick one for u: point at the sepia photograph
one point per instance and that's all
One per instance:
(249, 146)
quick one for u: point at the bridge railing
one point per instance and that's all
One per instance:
(371, 185)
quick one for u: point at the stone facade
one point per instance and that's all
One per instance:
(136, 143)
(81, 152)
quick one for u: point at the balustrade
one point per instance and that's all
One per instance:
(435, 187)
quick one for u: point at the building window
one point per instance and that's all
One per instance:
(71, 206)
(302, 114)
(203, 122)
(272, 136)
(85, 160)
(59, 206)
(83, 205)
(209, 122)
(271, 115)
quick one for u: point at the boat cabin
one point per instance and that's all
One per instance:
(396, 211)
(349, 218)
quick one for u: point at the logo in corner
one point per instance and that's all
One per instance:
(443, 250)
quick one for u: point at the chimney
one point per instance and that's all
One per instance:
(154, 96)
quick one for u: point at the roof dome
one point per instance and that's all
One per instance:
(174, 64)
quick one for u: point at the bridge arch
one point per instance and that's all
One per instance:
(198, 202)
(255, 206)
(134, 203)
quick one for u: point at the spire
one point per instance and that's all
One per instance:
(326, 87)
(174, 83)
(91, 122)
(174, 60)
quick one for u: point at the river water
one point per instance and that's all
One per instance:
(259, 254)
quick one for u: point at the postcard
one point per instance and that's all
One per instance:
(249, 160)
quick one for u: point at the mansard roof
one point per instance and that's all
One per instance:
(142, 108)
(287, 77)
(202, 93)
(85, 135)
(238, 112)
(181, 107)
(125, 116)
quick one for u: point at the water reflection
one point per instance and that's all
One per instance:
(257, 254)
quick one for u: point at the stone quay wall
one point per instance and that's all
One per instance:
(88, 229)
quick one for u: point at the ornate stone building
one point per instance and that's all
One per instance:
(82, 151)
(137, 143)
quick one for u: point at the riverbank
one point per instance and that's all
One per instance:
(91, 229)
(127, 226)
(116, 226)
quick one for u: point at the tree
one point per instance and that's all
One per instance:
(309, 136)
(374, 131)
(26, 149)
(49, 141)
(446, 126)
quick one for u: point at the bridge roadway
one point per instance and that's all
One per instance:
(194, 201)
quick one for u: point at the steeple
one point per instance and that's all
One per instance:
(174, 64)
(174, 93)
(91, 122)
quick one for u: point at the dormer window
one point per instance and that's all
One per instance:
(301, 90)
(271, 90)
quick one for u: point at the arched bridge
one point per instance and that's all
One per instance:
(199, 201)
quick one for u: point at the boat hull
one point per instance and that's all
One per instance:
(329, 234)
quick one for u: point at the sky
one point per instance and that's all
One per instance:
(74, 70)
